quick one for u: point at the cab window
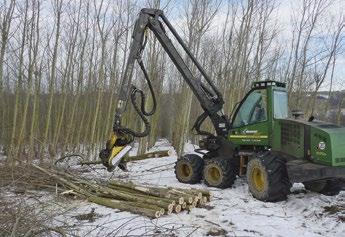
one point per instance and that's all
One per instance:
(280, 104)
(253, 109)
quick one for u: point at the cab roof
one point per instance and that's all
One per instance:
(268, 83)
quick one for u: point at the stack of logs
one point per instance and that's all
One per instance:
(149, 201)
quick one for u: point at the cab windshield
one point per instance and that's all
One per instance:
(253, 109)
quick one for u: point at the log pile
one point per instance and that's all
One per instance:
(149, 201)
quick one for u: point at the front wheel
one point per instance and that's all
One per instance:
(188, 169)
(267, 178)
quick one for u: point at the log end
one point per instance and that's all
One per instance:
(199, 195)
(178, 208)
(190, 200)
(162, 211)
(171, 207)
(157, 214)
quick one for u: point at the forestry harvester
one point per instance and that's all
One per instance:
(260, 141)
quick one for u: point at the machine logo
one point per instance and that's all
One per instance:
(246, 131)
(322, 146)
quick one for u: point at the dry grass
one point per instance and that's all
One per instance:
(26, 215)
(25, 209)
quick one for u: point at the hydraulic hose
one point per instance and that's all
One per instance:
(140, 109)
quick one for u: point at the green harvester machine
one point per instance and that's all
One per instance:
(260, 141)
(273, 149)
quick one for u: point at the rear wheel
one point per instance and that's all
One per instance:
(220, 172)
(267, 178)
(188, 169)
(326, 187)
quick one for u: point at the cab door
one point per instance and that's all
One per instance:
(250, 124)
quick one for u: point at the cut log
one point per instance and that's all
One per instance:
(171, 207)
(154, 191)
(178, 199)
(163, 203)
(182, 197)
(198, 192)
(125, 206)
(149, 155)
(155, 154)
(179, 195)
(178, 208)
(148, 206)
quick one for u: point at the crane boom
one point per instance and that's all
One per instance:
(207, 94)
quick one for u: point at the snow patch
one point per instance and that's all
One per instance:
(232, 212)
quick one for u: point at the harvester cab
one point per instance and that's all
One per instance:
(262, 121)
(252, 123)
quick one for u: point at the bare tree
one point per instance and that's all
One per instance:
(57, 4)
(61, 63)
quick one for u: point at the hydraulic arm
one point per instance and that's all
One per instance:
(205, 91)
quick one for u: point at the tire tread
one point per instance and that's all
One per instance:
(229, 169)
(197, 164)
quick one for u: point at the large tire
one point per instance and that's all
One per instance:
(327, 187)
(267, 178)
(220, 172)
(210, 155)
(188, 169)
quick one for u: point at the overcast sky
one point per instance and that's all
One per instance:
(284, 11)
(282, 15)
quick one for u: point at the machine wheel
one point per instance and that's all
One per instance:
(267, 178)
(220, 172)
(188, 169)
(326, 187)
(210, 155)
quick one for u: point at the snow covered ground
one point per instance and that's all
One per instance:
(232, 212)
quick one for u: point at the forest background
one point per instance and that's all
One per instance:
(61, 63)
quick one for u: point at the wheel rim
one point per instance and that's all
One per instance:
(185, 170)
(214, 175)
(258, 179)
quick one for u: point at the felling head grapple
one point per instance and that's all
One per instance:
(116, 149)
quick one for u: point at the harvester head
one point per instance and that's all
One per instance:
(116, 149)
